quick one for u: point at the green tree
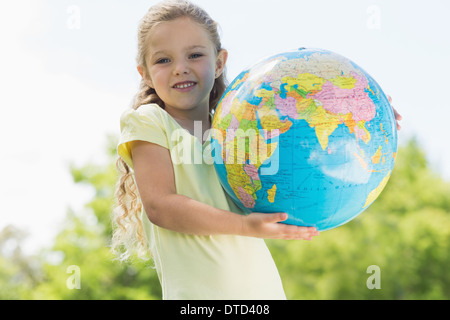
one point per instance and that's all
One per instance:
(82, 250)
(19, 273)
(406, 233)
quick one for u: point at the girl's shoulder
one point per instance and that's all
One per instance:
(146, 123)
(148, 110)
(149, 114)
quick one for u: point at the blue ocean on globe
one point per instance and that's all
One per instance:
(306, 132)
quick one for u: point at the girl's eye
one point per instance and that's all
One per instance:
(162, 61)
(196, 55)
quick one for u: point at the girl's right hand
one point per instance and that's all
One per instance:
(265, 225)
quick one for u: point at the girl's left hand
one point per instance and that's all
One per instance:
(397, 115)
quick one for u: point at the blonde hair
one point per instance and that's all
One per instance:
(128, 230)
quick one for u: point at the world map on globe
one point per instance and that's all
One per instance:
(306, 132)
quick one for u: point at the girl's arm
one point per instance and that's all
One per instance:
(167, 209)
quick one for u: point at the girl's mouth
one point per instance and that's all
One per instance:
(184, 85)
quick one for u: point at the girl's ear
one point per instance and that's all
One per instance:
(144, 76)
(221, 61)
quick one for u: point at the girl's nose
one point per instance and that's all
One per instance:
(181, 67)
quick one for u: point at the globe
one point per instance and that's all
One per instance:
(306, 132)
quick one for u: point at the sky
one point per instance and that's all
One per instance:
(67, 72)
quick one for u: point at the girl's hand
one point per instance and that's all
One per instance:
(397, 115)
(265, 225)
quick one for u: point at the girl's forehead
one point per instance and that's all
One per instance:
(181, 32)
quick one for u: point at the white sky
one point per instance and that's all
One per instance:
(67, 72)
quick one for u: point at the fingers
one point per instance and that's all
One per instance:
(291, 232)
(299, 233)
(397, 115)
(266, 225)
(276, 217)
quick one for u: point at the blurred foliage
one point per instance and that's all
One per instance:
(83, 242)
(406, 233)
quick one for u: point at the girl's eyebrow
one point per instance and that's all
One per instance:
(157, 52)
(186, 49)
(195, 47)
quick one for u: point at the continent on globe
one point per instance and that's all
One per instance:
(271, 193)
(306, 132)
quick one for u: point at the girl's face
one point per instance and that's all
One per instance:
(182, 64)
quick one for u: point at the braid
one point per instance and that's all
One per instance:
(129, 230)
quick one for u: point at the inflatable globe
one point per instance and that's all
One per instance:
(308, 133)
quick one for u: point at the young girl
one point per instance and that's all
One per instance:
(202, 245)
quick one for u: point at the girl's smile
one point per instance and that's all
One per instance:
(184, 86)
